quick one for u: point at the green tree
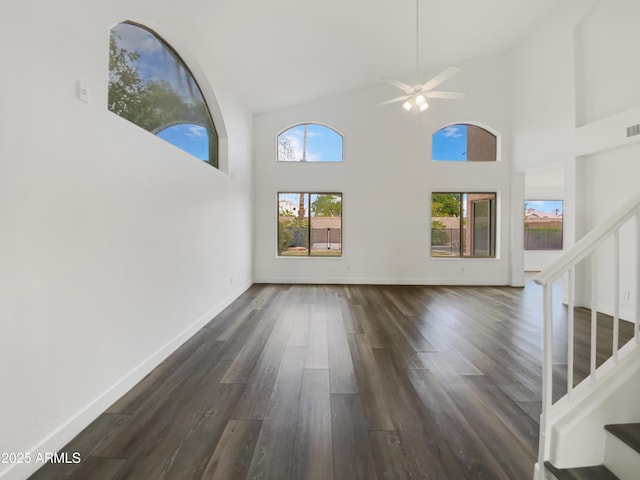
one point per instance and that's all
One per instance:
(126, 87)
(151, 104)
(445, 205)
(284, 238)
(297, 230)
(327, 206)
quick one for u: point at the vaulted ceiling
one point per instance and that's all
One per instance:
(283, 52)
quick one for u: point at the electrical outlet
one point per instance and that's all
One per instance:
(626, 295)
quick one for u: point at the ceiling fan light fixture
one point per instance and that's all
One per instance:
(415, 96)
(416, 103)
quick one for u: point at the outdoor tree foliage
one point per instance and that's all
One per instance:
(327, 206)
(445, 205)
(286, 151)
(284, 237)
(151, 104)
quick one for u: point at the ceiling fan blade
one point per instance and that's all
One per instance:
(446, 74)
(398, 84)
(394, 100)
(443, 94)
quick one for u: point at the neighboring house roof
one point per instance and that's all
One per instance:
(537, 216)
(287, 206)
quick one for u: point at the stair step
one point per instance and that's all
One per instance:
(629, 433)
(598, 472)
(621, 449)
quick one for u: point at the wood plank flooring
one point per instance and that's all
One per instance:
(342, 382)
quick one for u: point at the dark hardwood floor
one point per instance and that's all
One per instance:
(341, 382)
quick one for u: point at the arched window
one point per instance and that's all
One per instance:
(151, 86)
(310, 142)
(464, 143)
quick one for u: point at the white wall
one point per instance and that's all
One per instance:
(115, 246)
(543, 94)
(386, 179)
(544, 115)
(607, 57)
(577, 69)
(608, 102)
(608, 191)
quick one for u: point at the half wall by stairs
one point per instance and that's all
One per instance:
(572, 426)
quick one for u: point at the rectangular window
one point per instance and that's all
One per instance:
(543, 224)
(309, 224)
(463, 225)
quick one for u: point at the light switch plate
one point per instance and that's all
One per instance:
(83, 91)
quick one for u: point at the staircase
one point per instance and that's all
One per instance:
(621, 458)
(591, 428)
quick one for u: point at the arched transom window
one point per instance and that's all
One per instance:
(464, 143)
(151, 86)
(310, 142)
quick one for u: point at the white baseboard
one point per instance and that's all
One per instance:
(381, 281)
(57, 439)
(625, 314)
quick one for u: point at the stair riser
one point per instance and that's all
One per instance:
(621, 459)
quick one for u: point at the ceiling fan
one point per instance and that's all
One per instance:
(415, 97)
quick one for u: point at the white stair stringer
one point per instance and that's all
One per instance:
(578, 435)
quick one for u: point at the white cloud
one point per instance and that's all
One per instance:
(136, 38)
(150, 44)
(196, 131)
(452, 132)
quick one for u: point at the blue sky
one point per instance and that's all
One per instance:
(156, 61)
(189, 137)
(548, 206)
(450, 143)
(323, 143)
